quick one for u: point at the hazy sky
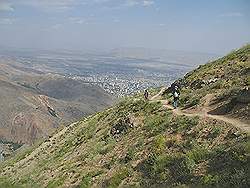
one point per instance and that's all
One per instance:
(195, 25)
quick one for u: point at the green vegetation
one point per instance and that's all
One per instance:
(6, 184)
(172, 150)
(117, 178)
(139, 143)
(236, 61)
(217, 167)
(222, 77)
(55, 183)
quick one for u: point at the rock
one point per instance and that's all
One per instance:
(51, 111)
(211, 81)
(197, 84)
(237, 133)
(121, 126)
(243, 96)
(243, 58)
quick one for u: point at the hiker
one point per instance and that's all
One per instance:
(176, 95)
(146, 94)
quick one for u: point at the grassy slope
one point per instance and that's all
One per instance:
(159, 150)
(227, 78)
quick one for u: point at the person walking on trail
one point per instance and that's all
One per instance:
(176, 95)
(146, 94)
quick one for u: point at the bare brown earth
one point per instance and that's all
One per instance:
(34, 104)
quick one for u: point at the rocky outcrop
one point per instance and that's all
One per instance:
(121, 126)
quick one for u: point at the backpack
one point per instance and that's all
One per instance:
(176, 95)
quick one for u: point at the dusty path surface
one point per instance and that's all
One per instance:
(203, 112)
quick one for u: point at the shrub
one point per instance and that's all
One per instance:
(215, 132)
(185, 123)
(197, 154)
(130, 154)
(106, 149)
(168, 170)
(4, 183)
(231, 166)
(210, 180)
(119, 176)
(55, 183)
(110, 163)
(86, 180)
(159, 144)
(157, 124)
(151, 107)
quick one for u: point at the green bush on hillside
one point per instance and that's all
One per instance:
(157, 124)
(117, 178)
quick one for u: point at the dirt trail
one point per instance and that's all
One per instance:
(158, 95)
(203, 112)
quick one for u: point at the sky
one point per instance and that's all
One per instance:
(212, 26)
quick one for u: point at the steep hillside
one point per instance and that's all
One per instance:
(222, 86)
(34, 104)
(135, 143)
(139, 143)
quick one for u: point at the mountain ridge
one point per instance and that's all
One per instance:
(138, 143)
(32, 108)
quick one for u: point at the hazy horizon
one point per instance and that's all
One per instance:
(195, 26)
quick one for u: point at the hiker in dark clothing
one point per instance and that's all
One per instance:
(146, 94)
(176, 95)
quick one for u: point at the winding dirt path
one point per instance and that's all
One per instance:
(203, 112)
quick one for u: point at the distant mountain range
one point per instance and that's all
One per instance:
(187, 58)
(36, 98)
(34, 104)
(169, 56)
(147, 143)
